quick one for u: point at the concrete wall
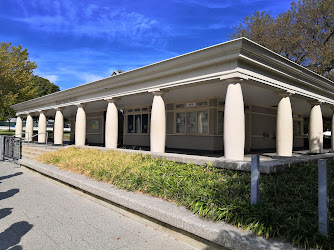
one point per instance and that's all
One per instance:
(263, 129)
(260, 130)
(95, 123)
(95, 128)
(210, 143)
(136, 140)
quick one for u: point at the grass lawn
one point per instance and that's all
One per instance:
(67, 135)
(6, 132)
(50, 133)
(288, 200)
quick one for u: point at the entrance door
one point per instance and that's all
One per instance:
(120, 128)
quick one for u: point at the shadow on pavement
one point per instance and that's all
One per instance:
(10, 176)
(9, 193)
(5, 212)
(12, 235)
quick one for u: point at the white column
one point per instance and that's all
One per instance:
(42, 127)
(29, 127)
(332, 132)
(158, 123)
(234, 123)
(111, 130)
(315, 133)
(58, 129)
(18, 127)
(284, 126)
(80, 126)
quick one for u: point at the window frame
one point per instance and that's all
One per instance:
(195, 109)
(143, 110)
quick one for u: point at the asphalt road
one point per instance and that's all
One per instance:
(37, 213)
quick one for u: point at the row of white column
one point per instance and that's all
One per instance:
(158, 125)
(58, 127)
(234, 125)
(284, 127)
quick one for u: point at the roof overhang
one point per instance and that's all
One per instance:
(240, 58)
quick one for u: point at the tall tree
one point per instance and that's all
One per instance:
(304, 33)
(43, 86)
(15, 78)
(17, 82)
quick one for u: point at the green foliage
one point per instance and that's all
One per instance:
(288, 200)
(304, 34)
(43, 86)
(17, 82)
(15, 78)
(6, 132)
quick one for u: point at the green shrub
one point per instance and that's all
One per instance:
(288, 200)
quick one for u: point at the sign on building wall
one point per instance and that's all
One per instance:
(95, 124)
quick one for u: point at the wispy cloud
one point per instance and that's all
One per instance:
(83, 65)
(52, 78)
(214, 4)
(87, 77)
(218, 4)
(91, 20)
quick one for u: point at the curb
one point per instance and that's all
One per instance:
(179, 217)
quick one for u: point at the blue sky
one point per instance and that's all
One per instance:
(78, 41)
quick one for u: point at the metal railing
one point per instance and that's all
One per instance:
(42, 133)
(29, 138)
(25, 135)
(16, 135)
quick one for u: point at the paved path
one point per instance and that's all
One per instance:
(36, 213)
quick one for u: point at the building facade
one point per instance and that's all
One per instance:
(234, 98)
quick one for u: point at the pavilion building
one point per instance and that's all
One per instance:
(234, 98)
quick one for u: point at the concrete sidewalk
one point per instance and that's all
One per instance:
(163, 212)
(38, 213)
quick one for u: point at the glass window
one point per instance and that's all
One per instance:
(202, 104)
(180, 122)
(220, 122)
(191, 122)
(130, 124)
(191, 104)
(179, 106)
(137, 124)
(202, 122)
(297, 128)
(144, 128)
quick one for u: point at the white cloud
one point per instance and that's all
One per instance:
(80, 19)
(87, 77)
(83, 65)
(51, 78)
(212, 4)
